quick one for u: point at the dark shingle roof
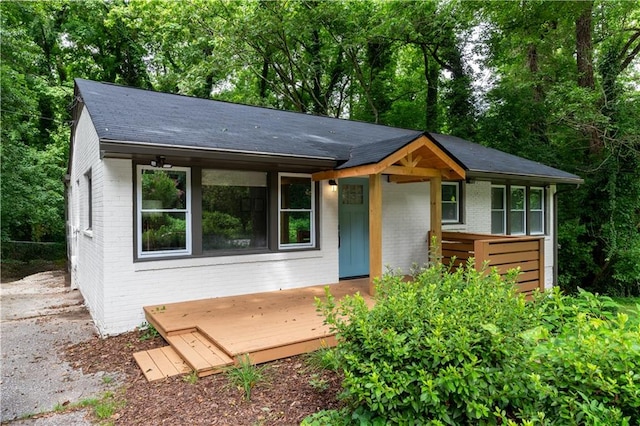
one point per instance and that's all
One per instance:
(126, 114)
(481, 160)
(142, 117)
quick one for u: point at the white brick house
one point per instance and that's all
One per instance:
(172, 198)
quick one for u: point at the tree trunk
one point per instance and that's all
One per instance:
(584, 48)
(431, 74)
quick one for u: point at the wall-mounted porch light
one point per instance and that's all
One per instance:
(333, 184)
(160, 161)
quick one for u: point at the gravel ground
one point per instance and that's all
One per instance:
(39, 317)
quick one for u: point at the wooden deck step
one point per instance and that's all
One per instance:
(200, 353)
(160, 363)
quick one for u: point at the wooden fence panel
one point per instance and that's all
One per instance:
(502, 252)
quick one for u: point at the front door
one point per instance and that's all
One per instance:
(353, 196)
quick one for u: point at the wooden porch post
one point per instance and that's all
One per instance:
(436, 215)
(375, 229)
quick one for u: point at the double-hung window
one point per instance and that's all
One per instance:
(498, 210)
(296, 211)
(536, 211)
(89, 182)
(450, 202)
(517, 210)
(164, 216)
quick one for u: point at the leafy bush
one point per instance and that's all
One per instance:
(589, 369)
(463, 348)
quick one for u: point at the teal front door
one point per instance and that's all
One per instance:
(353, 196)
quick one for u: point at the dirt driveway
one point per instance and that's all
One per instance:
(39, 317)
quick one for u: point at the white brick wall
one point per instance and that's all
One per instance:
(88, 251)
(405, 225)
(129, 286)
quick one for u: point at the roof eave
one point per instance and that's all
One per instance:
(493, 176)
(110, 148)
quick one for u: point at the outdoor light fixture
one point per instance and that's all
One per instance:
(333, 184)
(160, 162)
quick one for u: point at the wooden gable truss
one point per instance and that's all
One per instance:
(419, 161)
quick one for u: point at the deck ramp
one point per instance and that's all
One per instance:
(160, 363)
(189, 351)
(200, 353)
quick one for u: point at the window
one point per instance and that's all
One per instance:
(536, 211)
(517, 211)
(164, 219)
(234, 210)
(89, 200)
(450, 202)
(525, 214)
(498, 210)
(296, 211)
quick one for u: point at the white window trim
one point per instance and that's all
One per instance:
(89, 201)
(542, 210)
(187, 211)
(312, 211)
(457, 202)
(504, 208)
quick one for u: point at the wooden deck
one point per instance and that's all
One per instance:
(210, 334)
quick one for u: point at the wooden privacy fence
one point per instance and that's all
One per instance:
(500, 251)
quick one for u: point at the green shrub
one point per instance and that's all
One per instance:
(589, 371)
(463, 348)
(444, 347)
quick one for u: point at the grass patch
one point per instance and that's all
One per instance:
(629, 305)
(246, 375)
(147, 332)
(104, 407)
(322, 359)
(191, 378)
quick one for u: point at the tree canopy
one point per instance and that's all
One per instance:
(556, 82)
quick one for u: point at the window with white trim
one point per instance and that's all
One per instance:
(525, 214)
(89, 183)
(164, 216)
(296, 211)
(536, 211)
(498, 210)
(450, 202)
(517, 211)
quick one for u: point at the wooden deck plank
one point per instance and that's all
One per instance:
(166, 367)
(172, 356)
(188, 353)
(266, 324)
(148, 366)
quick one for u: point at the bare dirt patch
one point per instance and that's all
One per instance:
(293, 389)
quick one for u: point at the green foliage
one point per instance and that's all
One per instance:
(575, 254)
(462, 348)
(318, 383)
(147, 332)
(245, 375)
(191, 378)
(24, 251)
(328, 417)
(322, 359)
